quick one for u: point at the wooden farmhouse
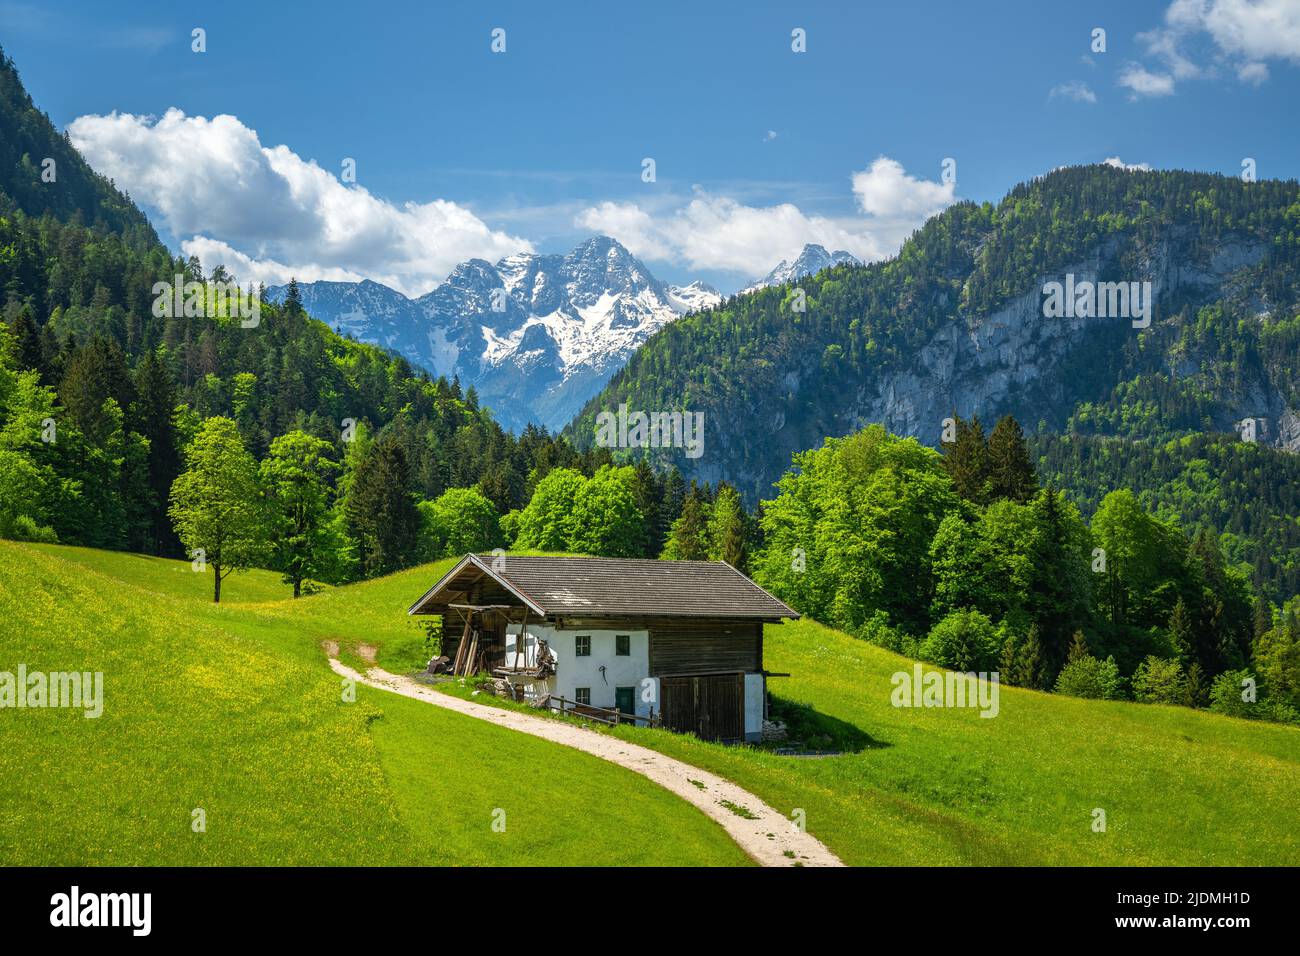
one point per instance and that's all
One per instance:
(671, 643)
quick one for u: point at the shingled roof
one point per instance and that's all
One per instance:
(613, 587)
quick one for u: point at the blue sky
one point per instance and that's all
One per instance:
(756, 147)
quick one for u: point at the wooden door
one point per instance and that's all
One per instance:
(711, 706)
(625, 700)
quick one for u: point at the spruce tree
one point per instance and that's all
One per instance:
(1030, 671)
(689, 540)
(1011, 473)
(380, 510)
(1181, 636)
(966, 459)
(152, 417)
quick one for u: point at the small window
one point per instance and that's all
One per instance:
(582, 645)
(582, 695)
(622, 645)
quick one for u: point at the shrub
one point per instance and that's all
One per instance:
(1160, 681)
(1226, 694)
(963, 641)
(1088, 677)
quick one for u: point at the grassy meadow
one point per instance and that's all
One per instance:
(231, 708)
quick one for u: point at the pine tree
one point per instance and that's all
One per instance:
(380, 510)
(1182, 638)
(1029, 663)
(966, 460)
(293, 298)
(1011, 473)
(1078, 648)
(152, 418)
(1196, 685)
(689, 540)
(28, 349)
(1008, 666)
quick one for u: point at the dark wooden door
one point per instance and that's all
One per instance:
(625, 700)
(711, 706)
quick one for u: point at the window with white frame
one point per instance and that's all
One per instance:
(582, 645)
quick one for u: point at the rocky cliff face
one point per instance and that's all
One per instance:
(1016, 360)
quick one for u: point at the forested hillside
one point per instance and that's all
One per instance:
(101, 398)
(955, 324)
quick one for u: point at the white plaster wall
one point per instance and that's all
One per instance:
(572, 672)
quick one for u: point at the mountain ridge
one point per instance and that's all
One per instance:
(955, 323)
(534, 334)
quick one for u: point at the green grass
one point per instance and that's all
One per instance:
(935, 786)
(231, 708)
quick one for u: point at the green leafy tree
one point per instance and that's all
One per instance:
(1182, 639)
(1087, 676)
(850, 531)
(216, 502)
(461, 521)
(1159, 681)
(296, 477)
(606, 519)
(963, 641)
(547, 522)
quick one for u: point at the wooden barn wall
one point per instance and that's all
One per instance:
(700, 647)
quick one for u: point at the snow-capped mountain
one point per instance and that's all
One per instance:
(813, 259)
(536, 335)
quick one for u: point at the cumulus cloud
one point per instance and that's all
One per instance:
(1238, 34)
(718, 232)
(268, 214)
(1075, 90)
(1131, 167)
(1145, 83)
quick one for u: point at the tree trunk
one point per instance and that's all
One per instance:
(216, 584)
(297, 587)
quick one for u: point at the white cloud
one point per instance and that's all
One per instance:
(1131, 167)
(885, 190)
(266, 213)
(1075, 90)
(720, 233)
(1241, 34)
(769, 136)
(1253, 73)
(1145, 83)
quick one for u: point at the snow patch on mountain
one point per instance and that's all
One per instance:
(813, 259)
(536, 335)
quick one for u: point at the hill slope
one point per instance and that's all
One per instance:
(912, 786)
(232, 710)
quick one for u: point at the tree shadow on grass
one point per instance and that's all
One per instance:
(814, 733)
